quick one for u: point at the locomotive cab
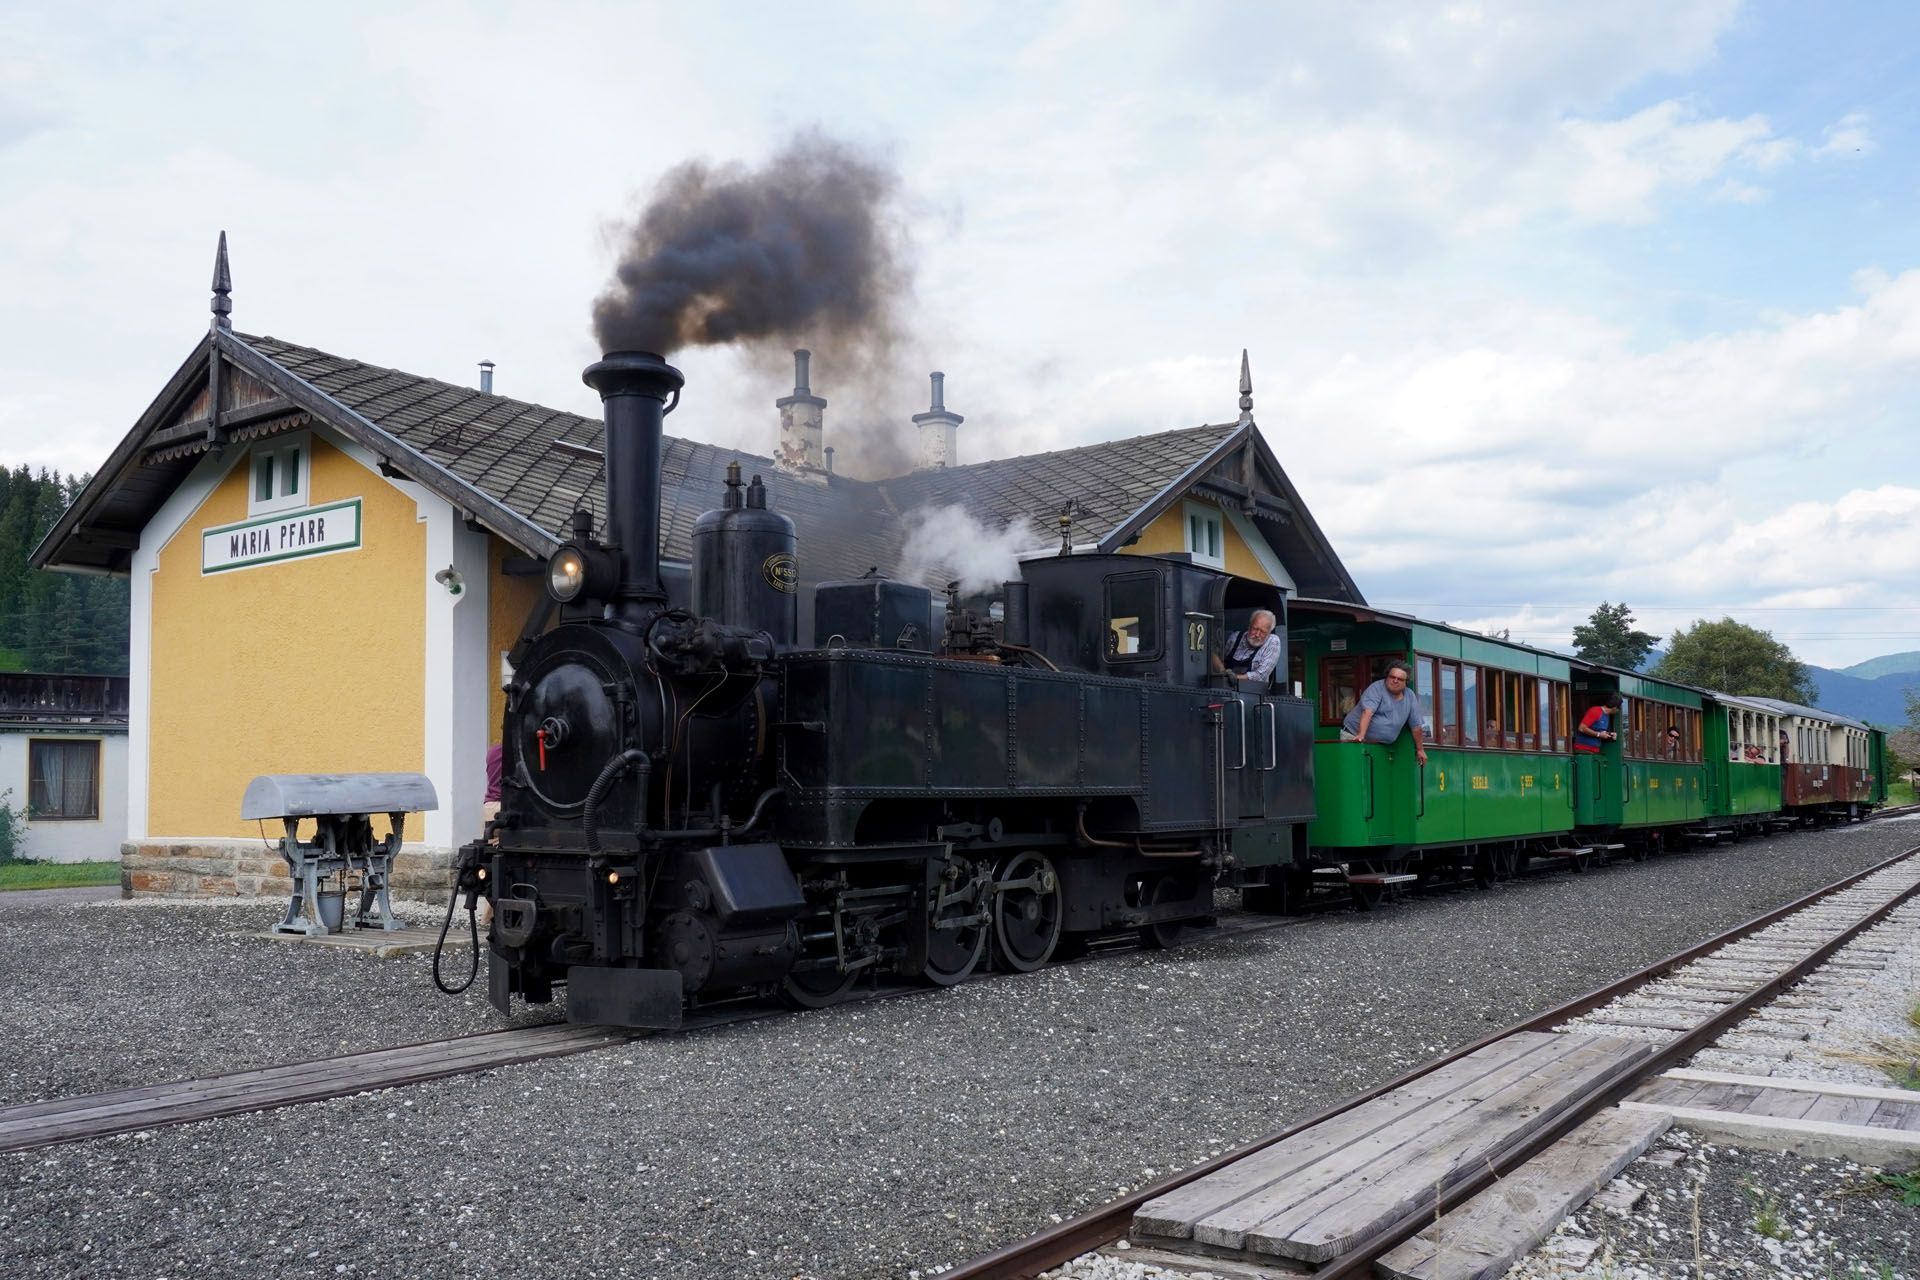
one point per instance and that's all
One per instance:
(1140, 617)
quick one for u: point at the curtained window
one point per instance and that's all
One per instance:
(63, 779)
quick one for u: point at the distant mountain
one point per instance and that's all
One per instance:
(1878, 700)
(1874, 690)
(1891, 664)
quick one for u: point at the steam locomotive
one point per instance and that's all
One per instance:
(696, 806)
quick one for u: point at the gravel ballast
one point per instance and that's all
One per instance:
(1722, 1211)
(874, 1140)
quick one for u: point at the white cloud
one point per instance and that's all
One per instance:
(1848, 136)
(1414, 215)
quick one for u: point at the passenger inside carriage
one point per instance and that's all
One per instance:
(1596, 726)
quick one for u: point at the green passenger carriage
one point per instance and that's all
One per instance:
(1653, 775)
(1497, 785)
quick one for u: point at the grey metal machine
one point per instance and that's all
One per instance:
(341, 805)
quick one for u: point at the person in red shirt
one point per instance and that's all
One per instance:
(1596, 726)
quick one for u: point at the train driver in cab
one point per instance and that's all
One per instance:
(1253, 654)
(1386, 708)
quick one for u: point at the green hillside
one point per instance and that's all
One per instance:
(1885, 665)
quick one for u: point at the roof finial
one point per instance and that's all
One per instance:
(1246, 390)
(222, 287)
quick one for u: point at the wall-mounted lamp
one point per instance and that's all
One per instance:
(450, 578)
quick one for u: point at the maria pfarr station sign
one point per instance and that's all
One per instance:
(310, 531)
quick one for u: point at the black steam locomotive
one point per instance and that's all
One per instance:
(696, 807)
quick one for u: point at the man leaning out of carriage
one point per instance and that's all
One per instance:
(1385, 709)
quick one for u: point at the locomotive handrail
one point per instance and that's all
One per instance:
(1273, 737)
(1368, 757)
(1241, 708)
(1420, 774)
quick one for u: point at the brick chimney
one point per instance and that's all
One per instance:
(938, 426)
(800, 424)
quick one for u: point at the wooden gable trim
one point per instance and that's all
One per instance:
(1275, 478)
(173, 398)
(396, 455)
(1157, 505)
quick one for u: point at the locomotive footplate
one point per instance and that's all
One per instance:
(652, 998)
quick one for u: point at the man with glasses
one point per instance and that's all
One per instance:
(1253, 654)
(1386, 708)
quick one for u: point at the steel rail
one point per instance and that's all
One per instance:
(1026, 1259)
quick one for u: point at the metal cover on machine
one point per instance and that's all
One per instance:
(307, 795)
(624, 997)
(752, 884)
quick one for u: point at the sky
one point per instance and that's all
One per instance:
(1546, 304)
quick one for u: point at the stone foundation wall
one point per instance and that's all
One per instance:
(249, 868)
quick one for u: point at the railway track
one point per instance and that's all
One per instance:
(25, 1126)
(1760, 981)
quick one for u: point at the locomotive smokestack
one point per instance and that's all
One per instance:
(635, 389)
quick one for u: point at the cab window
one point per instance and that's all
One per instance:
(1133, 616)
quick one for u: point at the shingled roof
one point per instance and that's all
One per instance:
(495, 458)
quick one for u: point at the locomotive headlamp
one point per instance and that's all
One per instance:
(566, 574)
(613, 877)
(582, 569)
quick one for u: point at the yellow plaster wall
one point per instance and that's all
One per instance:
(509, 601)
(1168, 535)
(309, 665)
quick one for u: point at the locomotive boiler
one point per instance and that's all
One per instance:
(700, 805)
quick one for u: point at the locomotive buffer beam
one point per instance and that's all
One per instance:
(341, 807)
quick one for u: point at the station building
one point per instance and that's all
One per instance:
(63, 763)
(329, 560)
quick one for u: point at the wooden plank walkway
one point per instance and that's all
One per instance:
(38, 1124)
(1489, 1233)
(1863, 1123)
(1341, 1183)
(382, 944)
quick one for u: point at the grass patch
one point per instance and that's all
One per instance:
(57, 875)
(1905, 1185)
(1898, 1056)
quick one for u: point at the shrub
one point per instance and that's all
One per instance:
(13, 831)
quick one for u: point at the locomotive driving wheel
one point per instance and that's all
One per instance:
(1164, 935)
(956, 931)
(1027, 912)
(828, 984)
(817, 988)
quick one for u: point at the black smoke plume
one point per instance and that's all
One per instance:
(805, 251)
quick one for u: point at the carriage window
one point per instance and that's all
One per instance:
(1517, 711)
(1337, 692)
(1449, 703)
(1297, 670)
(1562, 716)
(1133, 616)
(1470, 705)
(1427, 685)
(1544, 693)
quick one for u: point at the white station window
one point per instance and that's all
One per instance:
(280, 473)
(1206, 536)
